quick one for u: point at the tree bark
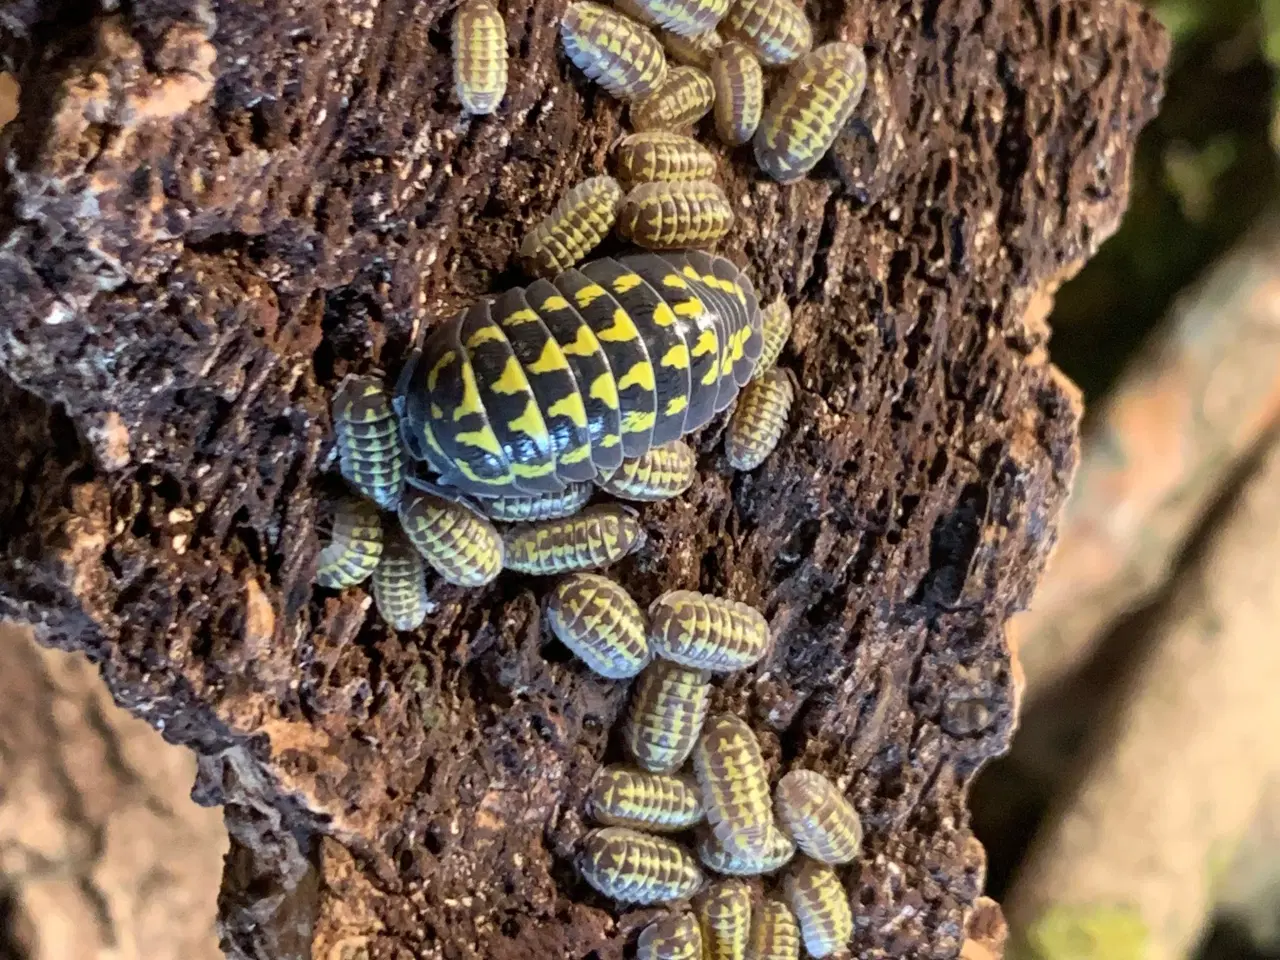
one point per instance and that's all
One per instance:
(214, 212)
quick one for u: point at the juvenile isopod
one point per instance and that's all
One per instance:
(724, 912)
(462, 546)
(685, 97)
(759, 420)
(819, 817)
(705, 632)
(779, 849)
(692, 51)
(582, 218)
(658, 802)
(687, 18)
(738, 80)
(735, 788)
(479, 56)
(542, 506)
(597, 619)
(355, 545)
(666, 216)
(662, 155)
(811, 107)
(821, 905)
(668, 706)
(634, 867)
(777, 30)
(400, 585)
(613, 50)
(775, 934)
(596, 537)
(776, 323)
(369, 453)
(671, 938)
(660, 474)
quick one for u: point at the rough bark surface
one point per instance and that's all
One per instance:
(213, 212)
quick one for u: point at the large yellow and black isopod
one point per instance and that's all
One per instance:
(668, 706)
(613, 50)
(662, 473)
(820, 903)
(777, 30)
(684, 98)
(637, 868)
(557, 382)
(354, 547)
(662, 155)
(583, 217)
(818, 816)
(543, 506)
(370, 457)
(735, 787)
(775, 934)
(776, 324)
(811, 107)
(400, 584)
(687, 18)
(691, 51)
(462, 546)
(707, 633)
(658, 802)
(779, 849)
(724, 912)
(596, 619)
(666, 216)
(479, 56)
(594, 538)
(759, 420)
(738, 80)
(676, 937)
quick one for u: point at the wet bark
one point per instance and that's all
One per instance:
(214, 212)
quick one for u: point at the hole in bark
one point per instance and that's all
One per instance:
(510, 928)
(953, 542)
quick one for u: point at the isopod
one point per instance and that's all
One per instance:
(777, 30)
(685, 97)
(691, 51)
(355, 545)
(819, 817)
(613, 50)
(662, 155)
(724, 912)
(400, 585)
(672, 938)
(776, 324)
(659, 802)
(735, 789)
(660, 474)
(707, 633)
(597, 619)
(369, 452)
(461, 546)
(543, 506)
(775, 934)
(582, 218)
(821, 905)
(479, 56)
(668, 706)
(759, 420)
(779, 849)
(665, 216)
(596, 537)
(739, 92)
(637, 868)
(812, 106)
(686, 18)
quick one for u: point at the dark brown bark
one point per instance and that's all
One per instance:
(216, 212)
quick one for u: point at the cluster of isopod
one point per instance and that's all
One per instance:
(722, 48)
(740, 826)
